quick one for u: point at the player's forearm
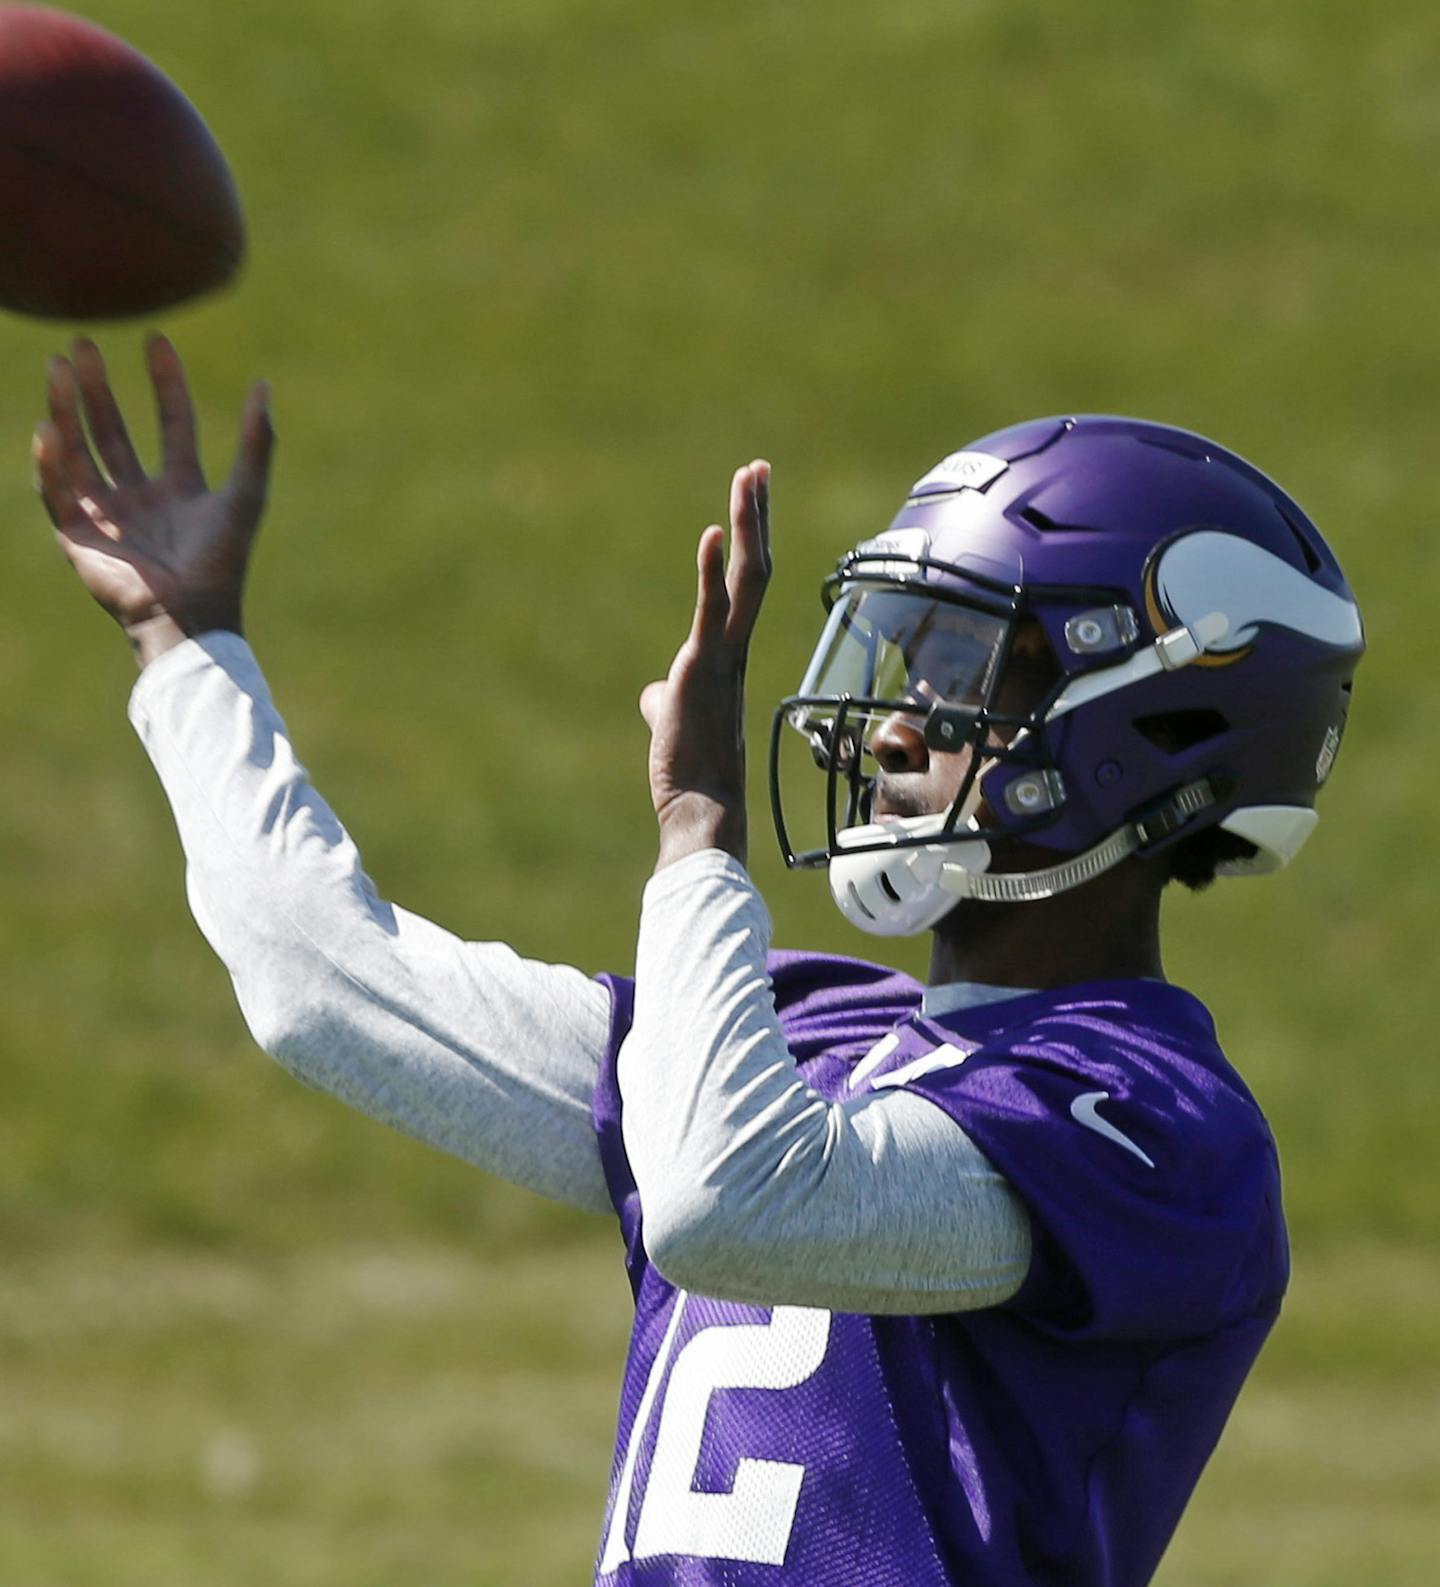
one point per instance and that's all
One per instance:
(273, 878)
(463, 1045)
(754, 1187)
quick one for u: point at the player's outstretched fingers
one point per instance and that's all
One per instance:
(74, 525)
(102, 414)
(73, 456)
(712, 594)
(249, 481)
(179, 439)
(750, 500)
(749, 572)
(760, 475)
(50, 481)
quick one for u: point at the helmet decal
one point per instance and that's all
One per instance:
(894, 551)
(961, 471)
(1208, 571)
(1329, 749)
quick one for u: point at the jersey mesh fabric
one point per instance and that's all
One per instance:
(1052, 1440)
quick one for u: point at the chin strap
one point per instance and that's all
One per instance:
(1028, 887)
(893, 891)
(1025, 887)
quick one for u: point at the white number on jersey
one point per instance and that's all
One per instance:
(754, 1519)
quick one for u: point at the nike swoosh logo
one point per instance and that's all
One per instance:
(1083, 1111)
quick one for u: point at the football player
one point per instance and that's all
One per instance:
(941, 1285)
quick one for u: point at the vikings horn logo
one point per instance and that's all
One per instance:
(1207, 570)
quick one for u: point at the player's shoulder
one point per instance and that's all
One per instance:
(1112, 1110)
(1131, 1043)
(828, 1002)
(836, 977)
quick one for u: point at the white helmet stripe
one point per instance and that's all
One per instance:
(1210, 571)
(1172, 650)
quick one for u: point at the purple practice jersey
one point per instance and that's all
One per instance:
(1051, 1441)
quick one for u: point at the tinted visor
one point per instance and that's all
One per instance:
(888, 650)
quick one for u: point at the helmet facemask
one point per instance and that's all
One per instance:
(905, 654)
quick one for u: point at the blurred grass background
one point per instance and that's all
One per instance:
(530, 277)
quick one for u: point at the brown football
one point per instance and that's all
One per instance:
(115, 199)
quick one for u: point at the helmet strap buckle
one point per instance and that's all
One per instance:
(1161, 820)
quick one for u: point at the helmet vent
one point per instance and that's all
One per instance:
(1312, 559)
(1173, 732)
(1048, 525)
(1038, 520)
(858, 902)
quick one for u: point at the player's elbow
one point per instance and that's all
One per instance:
(292, 1027)
(691, 1242)
(724, 1243)
(300, 1005)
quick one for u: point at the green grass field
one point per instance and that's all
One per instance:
(530, 278)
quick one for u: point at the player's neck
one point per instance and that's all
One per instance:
(1107, 930)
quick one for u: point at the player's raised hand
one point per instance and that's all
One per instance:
(163, 553)
(696, 714)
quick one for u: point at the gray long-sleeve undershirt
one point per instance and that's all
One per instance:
(754, 1186)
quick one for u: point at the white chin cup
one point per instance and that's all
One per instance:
(897, 892)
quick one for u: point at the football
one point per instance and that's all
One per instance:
(115, 199)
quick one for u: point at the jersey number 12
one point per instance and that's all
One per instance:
(753, 1520)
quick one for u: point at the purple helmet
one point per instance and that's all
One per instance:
(1201, 642)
